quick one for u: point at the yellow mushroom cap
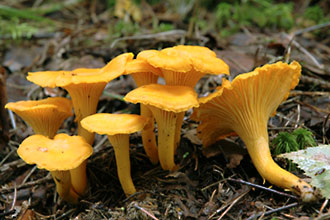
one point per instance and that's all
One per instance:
(169, 98)
(62, 153)
(166, 61)
(112, 70)
(202, 59)
(112, 124)
(138, 66)
(245, 105)
(198, 50)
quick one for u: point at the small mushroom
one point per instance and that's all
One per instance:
(44, 116)
(85, 87)
(143, 74)
(58, 155)
(118, 127)
(166, 103)
(244, 106)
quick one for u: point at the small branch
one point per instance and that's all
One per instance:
(262, 187)
(322, 83)
(28, 184)
(273, 210)
(162, 35)
(311, 28)
(145, 211)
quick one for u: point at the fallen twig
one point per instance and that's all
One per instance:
(272, 211)
(165, 34)
(262, 187)
(322, 83)
(145, 211)
(28, 184)
(309, 93)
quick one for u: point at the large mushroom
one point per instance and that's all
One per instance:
(143, 74)
(183, 66)
(58, 155)
(44, 116)
(85, 87)
(244, 106)
(166, 103)
(118, 127)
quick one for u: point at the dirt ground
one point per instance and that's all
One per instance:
(218, 183)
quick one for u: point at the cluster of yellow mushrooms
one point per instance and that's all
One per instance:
(240, 107)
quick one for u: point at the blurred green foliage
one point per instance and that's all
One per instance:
(230, 17)
(15, 30)
(226, 17)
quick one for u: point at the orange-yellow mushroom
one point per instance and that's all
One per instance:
(183, 66)
(143, 74)
(58, 155)
(44, 116)
(85, 87)
(118, 127)
(166, 103)
(244, 106)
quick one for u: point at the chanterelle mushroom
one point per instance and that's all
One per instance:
(58, 155)
(244, 106)
(118, 127)
(85, 87)
(44, 116)
(166, 103)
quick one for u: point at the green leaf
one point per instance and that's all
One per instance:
(315, 161)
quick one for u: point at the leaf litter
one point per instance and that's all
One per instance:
(203, 188)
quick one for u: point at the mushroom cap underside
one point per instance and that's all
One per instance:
(246, 102)
(57, 104)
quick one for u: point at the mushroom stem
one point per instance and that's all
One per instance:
(258, 149)
(63, 186)
(120, 143)
(148, 135)
(179, 122)
(166, 124)
(79, 178)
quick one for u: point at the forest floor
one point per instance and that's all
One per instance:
(218, 183)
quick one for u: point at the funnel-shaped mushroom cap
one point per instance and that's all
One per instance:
(162, 60)
(169, 98)
(202, 59)
(64, 152)
(195, 50)
(44, 116)
(245, 105)
(112, 70)
(112, 124)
